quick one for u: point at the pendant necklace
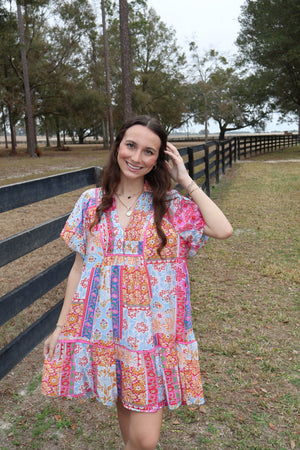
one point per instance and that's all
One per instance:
(129, 208)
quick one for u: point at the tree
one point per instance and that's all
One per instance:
(9, 83)
(202, 90)
(125, 60)
(107, 72)
(84, 109)
(224, 94)
(269, 42)
(31, 136)
(234, 103)
(159, 84)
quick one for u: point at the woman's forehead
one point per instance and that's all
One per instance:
(143, 136)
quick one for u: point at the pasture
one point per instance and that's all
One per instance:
(245, 315)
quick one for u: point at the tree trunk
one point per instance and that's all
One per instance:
(222, 133)
(4, 127)
(206, 129)
(58, 143)
(81, 137)
(107, 73)
(12, 131)
(125, 60)
(104, 134)
(31, 140)
(11, 124)
(47, 133)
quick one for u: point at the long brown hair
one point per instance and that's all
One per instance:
(159, 177)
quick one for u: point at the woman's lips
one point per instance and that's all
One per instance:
(132, 167)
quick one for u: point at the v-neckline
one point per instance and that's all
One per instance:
(117, 216)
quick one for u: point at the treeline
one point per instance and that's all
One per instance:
(69, 65)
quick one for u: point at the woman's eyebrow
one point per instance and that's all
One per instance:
(131, 141)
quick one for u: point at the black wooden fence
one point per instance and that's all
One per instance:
(204, 162)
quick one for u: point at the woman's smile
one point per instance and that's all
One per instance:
(138, 152)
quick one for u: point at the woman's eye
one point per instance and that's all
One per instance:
(149, 152)
(130, 144)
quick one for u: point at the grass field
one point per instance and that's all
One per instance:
(245, 299)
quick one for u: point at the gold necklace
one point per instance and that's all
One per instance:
(129, 208)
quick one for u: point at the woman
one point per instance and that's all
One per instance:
(124, 334)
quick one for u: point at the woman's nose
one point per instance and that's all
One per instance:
(137, 155)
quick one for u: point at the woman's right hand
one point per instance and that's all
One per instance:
(50, 344)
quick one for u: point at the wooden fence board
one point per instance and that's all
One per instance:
(16, 350)
(22, 243)
(20, 298)
(21, 194)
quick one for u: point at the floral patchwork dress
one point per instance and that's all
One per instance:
(129, 331)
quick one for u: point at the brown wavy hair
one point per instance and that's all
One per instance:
(158, 178)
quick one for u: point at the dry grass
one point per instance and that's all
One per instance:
(245, 315)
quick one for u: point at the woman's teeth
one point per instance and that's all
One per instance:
(133, 167)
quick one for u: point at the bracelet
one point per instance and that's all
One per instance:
(190, 185)
(193, 190)
(59, 326)
(189, 190)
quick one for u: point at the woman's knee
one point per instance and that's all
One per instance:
(144, 430)
(143, 440)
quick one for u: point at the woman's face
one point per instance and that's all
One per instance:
(138, 152)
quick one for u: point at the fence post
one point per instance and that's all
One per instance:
(230, 153)
(234, 149)
(251, 145)
(217, 162)
(223, 158)
(206, 162)
(190, 153)
(245, 147)
(239, 148)
(98, 175)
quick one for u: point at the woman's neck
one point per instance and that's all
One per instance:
(130, 187)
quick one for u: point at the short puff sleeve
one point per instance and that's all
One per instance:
(77, 226)
(187, 220)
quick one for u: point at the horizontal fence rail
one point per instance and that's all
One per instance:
(204, 162)
(22, 243)
(21, 194)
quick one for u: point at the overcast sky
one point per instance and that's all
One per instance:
(211, 24)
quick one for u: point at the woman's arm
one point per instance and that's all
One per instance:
(73, 281)
(217, 225)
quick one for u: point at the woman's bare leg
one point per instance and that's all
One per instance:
(140, 430)
(124, 418)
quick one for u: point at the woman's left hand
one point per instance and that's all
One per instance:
(177, 169)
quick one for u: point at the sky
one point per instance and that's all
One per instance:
(211, 24)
